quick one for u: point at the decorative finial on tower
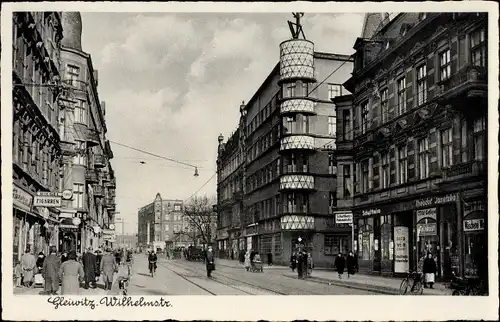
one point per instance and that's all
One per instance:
(296, 28)
(220, 138)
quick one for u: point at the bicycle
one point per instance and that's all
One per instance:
(152, 268)
(415, 280)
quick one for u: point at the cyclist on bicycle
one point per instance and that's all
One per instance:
(128, 261)
(152, 258)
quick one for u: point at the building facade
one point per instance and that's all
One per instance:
(290, 173)
(230, 179)
(87, 175)
(419, 133)
(160, 222)
(36, 142)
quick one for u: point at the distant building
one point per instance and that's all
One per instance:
(418, 127)
(159, 222)
(129, 240)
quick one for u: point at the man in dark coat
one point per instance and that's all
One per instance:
(50, 271)
(89, 266)
(351, 264)
(210, 261)
(300, 264)
(340, 264)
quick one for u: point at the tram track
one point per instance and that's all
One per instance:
(292, 290)
(218, 280)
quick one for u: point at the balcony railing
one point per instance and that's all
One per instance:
(91, 176)
(93, 138)
(75, 84)
(98, 191)
(296, 182)
(297, 142)
(463, 79)
(467, 169)
(112, 182)
(99, 161)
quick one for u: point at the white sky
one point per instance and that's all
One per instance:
(173, 82)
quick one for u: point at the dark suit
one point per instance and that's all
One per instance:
(89, 266)
(50, 271)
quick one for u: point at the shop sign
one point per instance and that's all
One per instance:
(47, 201)
(67, 194)
(76, 221)
(21, 198)
(44, 212)
(108, 232)
(426, 213)
(429, 229)
(401, 251)
(343, 218)
(371, 212)
(435, 201)
(474, 224)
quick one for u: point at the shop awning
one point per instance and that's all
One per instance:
(66, 224)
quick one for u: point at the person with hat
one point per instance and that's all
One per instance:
(50, 270)
(28, 264)
(89, 265)
(108, 268)
(71, 273)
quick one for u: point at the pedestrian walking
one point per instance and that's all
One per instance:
(28, 264)
(300, 264)
(64, 257)
(340, 264)
(310, 264)
(89, 266)
(247, 260)
(39, 262)
(430, 269)
(351, 264)
(210, 261)
(269, 258)
(71, 274)
(51, 266)
(18, 273)
(98, 258)
(117, 257)
(293, 261)
(108, 268)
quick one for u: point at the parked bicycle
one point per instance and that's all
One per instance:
(413, 283)
(466, 286)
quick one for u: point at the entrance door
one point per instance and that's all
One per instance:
(376, 246)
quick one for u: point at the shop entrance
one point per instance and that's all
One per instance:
(68, 241)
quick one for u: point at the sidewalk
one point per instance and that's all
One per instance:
(379, 284)
(235, 263)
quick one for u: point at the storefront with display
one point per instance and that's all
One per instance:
(392, 238)
(475, 239)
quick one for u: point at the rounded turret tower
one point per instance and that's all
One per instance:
(72, 30)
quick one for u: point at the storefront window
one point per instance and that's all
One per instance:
(385, 236)
(365, 239)
(335, 244)
(277, 244)
(16, 232)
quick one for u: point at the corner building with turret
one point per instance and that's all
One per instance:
(287, 134)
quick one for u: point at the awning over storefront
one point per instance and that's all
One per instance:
(66, 224)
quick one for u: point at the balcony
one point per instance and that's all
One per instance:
(98, 191)
(468, 82)
(297, 142)
(99, 161)
(112, 183)
(296, 182)
(91, 176)
(297, 105)
(67, 148)
(297, 60)
(93, 137)
(297, 222)
(104, 176)
(75, 84)
(465, 170)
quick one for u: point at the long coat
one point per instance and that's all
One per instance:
(351, 264)
(28, 265)
(89, 266)
(429, 266)
(247, 259)
(340, 264)
(51, 266)
(108, 266)
(70, 273)
(98, 259)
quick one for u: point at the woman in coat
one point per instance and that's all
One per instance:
(108, 268)
(28, 264)
(71, 273)
(351, 264)
(247, 260)
(429, 269)
(340, 264)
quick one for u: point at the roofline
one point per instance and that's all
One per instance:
(331, 56)
(266, 81)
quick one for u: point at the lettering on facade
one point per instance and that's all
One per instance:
(47, 201)
(21, 198)
(473, 206)
(427, 229)
(474, 224)
(371, 212)
(433, 201)
(343, 218)
(426, 213)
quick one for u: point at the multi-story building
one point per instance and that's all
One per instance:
(36, 142)
(230, 179)
(87, 176)
(160, 222)
(419, 109)
(290, 189)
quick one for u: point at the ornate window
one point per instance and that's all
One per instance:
(403, 165)
(385, 170)
(421, 84)
(423, 158)
(78, 195)
(446, 148)
(480, 138)
(347, 181)
(444, 65)
(401, 95)
(332, 125)
(384, 104)
(334, 90)
(364, 117)
(478, 47)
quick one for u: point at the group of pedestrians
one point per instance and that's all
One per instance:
(67, 270)
(351, 262)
